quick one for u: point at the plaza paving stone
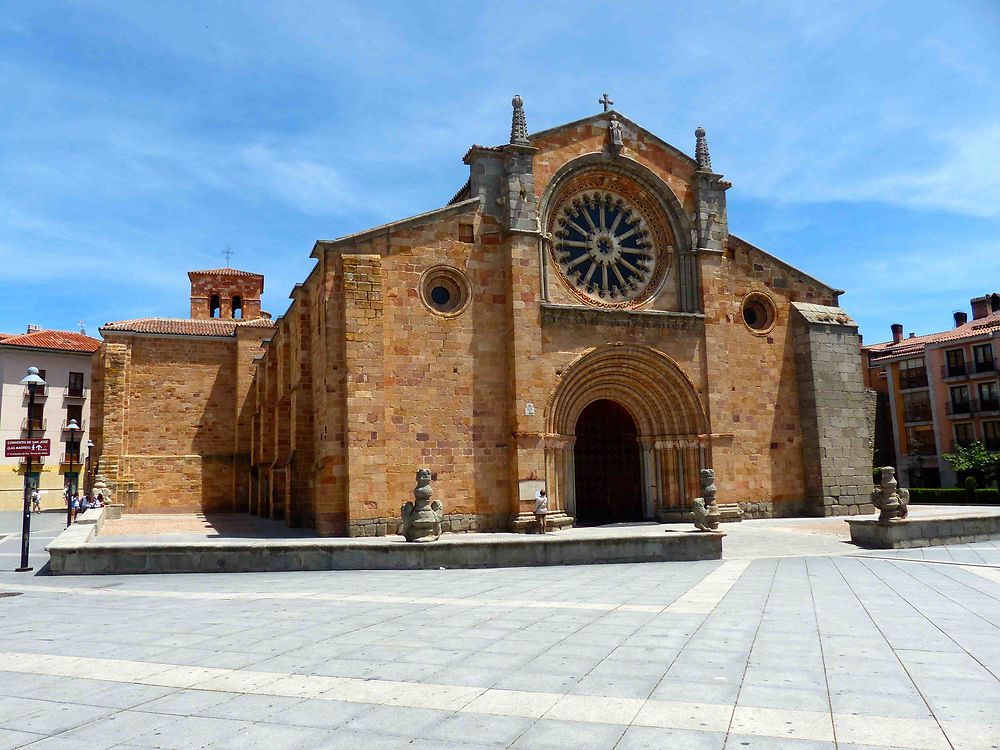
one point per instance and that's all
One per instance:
(812, 644)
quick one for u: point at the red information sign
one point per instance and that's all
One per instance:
(34, 447)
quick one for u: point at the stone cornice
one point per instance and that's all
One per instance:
(553, 314)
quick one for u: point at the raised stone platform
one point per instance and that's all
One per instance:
(81, 549)
(923, 532)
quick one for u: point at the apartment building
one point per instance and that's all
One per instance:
(944, 391)
(63, 362)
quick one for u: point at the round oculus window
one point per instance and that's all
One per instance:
(758, 313)
(603, 247)
(445, 290)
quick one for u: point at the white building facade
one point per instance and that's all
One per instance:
(63, 359)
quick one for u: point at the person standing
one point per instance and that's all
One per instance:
(541, 509)
(36, 500)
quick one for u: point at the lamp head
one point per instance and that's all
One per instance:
(32, 378)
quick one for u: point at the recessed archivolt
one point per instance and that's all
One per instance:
(646, 382)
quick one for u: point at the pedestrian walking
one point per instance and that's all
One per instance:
(36, 500)
(541, 509)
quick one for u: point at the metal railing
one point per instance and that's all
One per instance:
(37, 424)
(971, 407)
(82, 424)
(917, 415)
(988, 366)
(68, 457)
(954, 371)
(41, 391)
(913, 379)
(72, 392)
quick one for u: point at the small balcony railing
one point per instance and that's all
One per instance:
(81, 423)
(35, 460)
(989, 366)
(41, 391)
(917, 415)
(37, 424)
(989, 404)
(913, 379)
(72, 392)
(69, 457)
(960, 408)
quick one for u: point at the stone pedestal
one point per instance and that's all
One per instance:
(525, 523)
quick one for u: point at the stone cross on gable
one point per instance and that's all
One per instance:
(605, 101)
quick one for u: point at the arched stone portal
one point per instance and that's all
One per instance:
(671, 428)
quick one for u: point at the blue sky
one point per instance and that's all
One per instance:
(139, 139)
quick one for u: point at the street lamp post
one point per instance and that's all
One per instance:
(32, 380)
(88, 482)
(73, 428)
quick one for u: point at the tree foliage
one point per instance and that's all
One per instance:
(973, 460)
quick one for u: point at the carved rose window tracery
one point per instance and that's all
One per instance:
(605, 248)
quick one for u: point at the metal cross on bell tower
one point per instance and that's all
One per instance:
(607, 102)
(228, 254)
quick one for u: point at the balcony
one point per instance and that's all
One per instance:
(35, 460)
(989, 367)
(917, 415)
(41, 391)
(989, 405)
(37, 424)
(960, 409)
(72, 392)
(81, 423)
(71, 457)
(912, 379)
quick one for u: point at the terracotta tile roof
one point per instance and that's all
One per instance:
(227, 272)
(463, 193)
(916, 345)
(64, 341)
(185, 326)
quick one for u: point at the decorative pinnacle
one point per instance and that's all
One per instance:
(701, 154)
(518, 124)
(605, 101)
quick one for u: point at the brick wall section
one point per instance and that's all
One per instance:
(169, 432)
(203, 286)
(833, 413)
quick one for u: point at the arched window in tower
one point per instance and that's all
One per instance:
(237, 307)
(214, 306)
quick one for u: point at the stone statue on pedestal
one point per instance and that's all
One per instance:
(706, 512)
(615, 128)
(891, 500)
(422, 517)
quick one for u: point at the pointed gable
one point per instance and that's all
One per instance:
(559, 145)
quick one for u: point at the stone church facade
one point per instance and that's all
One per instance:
(578, 317)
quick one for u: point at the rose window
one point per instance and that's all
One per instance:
(603, 247)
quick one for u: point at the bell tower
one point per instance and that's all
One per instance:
(226, 293)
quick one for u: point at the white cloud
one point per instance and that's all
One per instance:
(304, 184)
